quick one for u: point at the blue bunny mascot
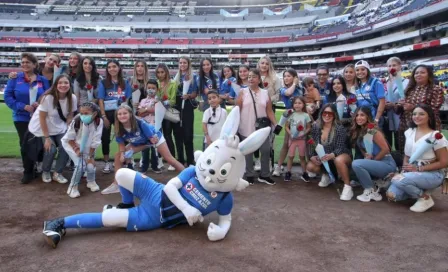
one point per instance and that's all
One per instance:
(194, 193)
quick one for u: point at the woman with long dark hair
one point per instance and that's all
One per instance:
(86, 84)
(340, 95)
(428, 172)
(73, 68)
(205, 81)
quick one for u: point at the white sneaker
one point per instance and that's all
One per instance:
(171, 168)
(59, 178)
(73, 191)
(311, 175)
(277, 171)
(422, 205)
(106, 169)
(93, 186)
(369, 194)
(160, 165)
(257, 166)
(112, 189)
(46, 177)
(347, 193)
(39, 167)
(324, 181)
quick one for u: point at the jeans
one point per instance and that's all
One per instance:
(365, 169)
(81, 168)
(265, 152)
(49, 155)
(412, 184)
(145, 158)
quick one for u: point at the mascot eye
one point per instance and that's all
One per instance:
(210, 159)
(225, 169)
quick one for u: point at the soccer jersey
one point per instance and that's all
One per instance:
(369, 94)
(288, 99)
(144, 132)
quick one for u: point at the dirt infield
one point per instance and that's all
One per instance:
(288, 227)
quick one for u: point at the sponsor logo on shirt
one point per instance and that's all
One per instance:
(201, 199)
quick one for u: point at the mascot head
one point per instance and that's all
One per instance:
(220, 168)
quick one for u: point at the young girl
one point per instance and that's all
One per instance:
(213, 119)
(80, 142)
(86, 84)
(146, 110)
(297, 127)
(140, 135)
(227, 78)
(242, 82)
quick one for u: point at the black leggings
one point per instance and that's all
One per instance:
(168, 128)
(183, 135)
(28, 165)
(105, 137)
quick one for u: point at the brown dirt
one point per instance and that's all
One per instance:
(288, 227)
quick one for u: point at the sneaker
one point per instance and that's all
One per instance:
(93, 186)
(355, 183)
(73, 191)
(46, 177)
(369, 194)
(324, 181)
(277, 171)
(347, 193)
(106, 169)
(266, 180)
(250, 180)
(311, 175)
(287, 176)
(27, 178)
(38, 167)
(156, 170)
(305, 177)
(171, 168)
(160, 165)
(422, 205)
(53, 231)
(257, 166)
(112, 189)
(59, 178)
(119, 206)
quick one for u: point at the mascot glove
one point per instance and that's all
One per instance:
(192, 215)
(215, 232)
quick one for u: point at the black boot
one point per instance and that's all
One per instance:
(53, 231)
(27, 178)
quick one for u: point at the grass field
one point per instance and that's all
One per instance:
(9, 146)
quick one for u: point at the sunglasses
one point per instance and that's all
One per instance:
(327, 114)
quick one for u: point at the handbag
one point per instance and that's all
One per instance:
(172, 115)
(259, 122)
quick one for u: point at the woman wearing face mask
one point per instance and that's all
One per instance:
(256, 113)
(112, 92)
(167, 94)
(185, 104)
(18, 98)
(74, 62)
(428, 173)
(242, 81)
(205, 81)
(45, 69)
(420, 90)
(80, 142)
(350, 78)
(50, 122)
(370, 91)
(392, 123)
(332, 136)
(86, 84)
(379, 163)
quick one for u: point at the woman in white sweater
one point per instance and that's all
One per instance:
(80, 142)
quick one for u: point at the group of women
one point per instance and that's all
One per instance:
(256, 91)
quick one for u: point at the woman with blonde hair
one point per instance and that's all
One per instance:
(349, 75)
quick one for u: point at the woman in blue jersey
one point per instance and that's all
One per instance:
(21, 102)
(206, 80)
(290, 90)
(370, 91)
(140, 136)
(242, 82)
(227, 78)
(112, 91)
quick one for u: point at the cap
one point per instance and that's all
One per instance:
(362, 63)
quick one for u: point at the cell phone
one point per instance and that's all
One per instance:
(278, 129)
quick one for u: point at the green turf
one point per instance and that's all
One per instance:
(10, 140)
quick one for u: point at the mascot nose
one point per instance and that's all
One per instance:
(211, 171)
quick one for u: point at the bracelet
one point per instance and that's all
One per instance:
(104, 115)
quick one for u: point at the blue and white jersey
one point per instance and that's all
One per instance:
(206, 202)
(144, 132)
(324, 92)
(232, 93)
(369, 94)
(208, 84)
(113, 96)
(288, 99)
(226, 85)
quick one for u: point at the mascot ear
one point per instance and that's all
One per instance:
(231, 124)
(254, 141)
(242, 184)
(196, 155)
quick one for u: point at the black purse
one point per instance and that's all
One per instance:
(259, 122)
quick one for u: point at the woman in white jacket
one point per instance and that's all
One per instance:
(80, 142)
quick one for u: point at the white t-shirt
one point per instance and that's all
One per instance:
(220, 117)
(411, 145)
(55, 124)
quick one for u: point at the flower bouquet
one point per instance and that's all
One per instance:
(285, 116)
(368, 138)
(424, 146)
(299, 130)
(398, 82)
(351, 102)
(321, 153)
(340, 105)
(135, 96)
(89, 88)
